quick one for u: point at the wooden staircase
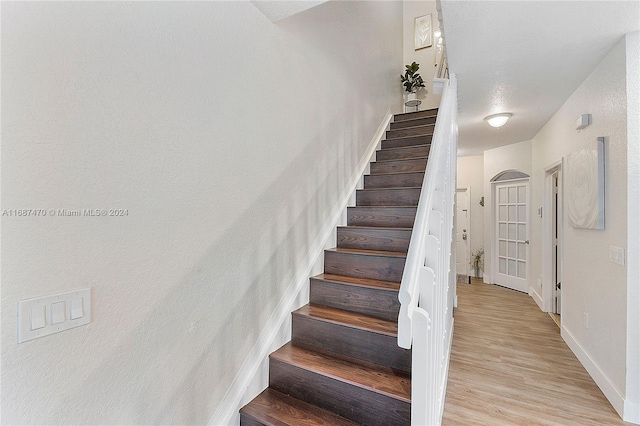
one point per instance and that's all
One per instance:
(343, 365)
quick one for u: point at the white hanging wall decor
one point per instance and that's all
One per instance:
(585, 187)
(422, 32)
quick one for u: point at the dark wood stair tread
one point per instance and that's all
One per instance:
(423, 130)
(412, 138)
(400, 165)
(432, 112)
(406, 141)
(406, 147)
(374, 238)
(395, 173)
(402, 159)
(382, 207)
(349, 319)
(391, 228)
(415, 127)
(391, 196)
(398, 188)
(376, 378)
(402, 152)
(373, 297)
(365, 263)
(361, 282)
(368, 252)
(369, 214)
(274, 408)
(412, 122)
(397, 179)
(414, 115)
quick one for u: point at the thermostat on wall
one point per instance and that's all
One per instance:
(583, 121)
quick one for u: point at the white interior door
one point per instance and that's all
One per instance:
(511, 243)
(462, 233)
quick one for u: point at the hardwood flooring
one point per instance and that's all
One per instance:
(510, 366)
(555, 318)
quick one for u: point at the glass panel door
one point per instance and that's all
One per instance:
(511, 234)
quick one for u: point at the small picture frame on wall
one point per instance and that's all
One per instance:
(423, 33)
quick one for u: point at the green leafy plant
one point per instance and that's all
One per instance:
(477, 261)
(411, 80)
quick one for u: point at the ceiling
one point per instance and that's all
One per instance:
(277, 10)
(525, 57)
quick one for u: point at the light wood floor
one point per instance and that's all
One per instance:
(555, 318)
(509, 366)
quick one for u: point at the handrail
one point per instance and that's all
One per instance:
(442, 70)
(425, 322)
(442, 73)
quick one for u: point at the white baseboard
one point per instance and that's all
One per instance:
(534, 294)
(242, 388)
(631, 412)
(486, 279)
(604, 383)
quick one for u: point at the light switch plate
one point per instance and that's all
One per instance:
(52, 306)
(616, 255)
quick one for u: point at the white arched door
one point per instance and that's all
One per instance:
(511, 234)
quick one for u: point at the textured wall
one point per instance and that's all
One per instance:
(632, 403)
(425, 57)
(228, 138)
(591, 283)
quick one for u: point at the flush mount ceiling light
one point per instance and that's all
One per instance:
(498, 120)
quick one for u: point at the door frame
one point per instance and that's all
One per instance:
(548, 281)
(494, 229)
(467, 191)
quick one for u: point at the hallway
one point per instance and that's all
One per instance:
(510, 366)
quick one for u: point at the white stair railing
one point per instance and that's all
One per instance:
(427, 291)
(442, 70)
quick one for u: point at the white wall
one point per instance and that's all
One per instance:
(229, 140)
(425, 57)
(517, 157)
(592, 285)
(470, 174)
(632, 397)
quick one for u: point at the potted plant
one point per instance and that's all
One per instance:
(476, 261)
(412, 81)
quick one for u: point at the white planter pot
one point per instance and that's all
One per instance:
(412, 96)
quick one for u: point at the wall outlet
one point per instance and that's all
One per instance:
(586, 320)
(616, 255)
